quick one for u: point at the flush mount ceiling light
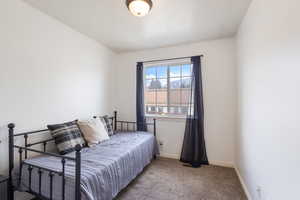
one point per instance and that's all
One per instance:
(139, 8)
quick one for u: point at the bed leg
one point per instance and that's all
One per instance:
(78, 172)
(10, 187)
(115, 120)
(154, 132)
(154, 127)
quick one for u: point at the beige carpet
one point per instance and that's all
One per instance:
(167, 179)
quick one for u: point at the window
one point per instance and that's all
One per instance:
(168, 89)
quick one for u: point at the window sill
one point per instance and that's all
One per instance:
(166, 117)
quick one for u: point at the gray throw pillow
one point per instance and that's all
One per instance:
(108, 124)
(66, 136)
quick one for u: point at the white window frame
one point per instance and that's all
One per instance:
(168, 64)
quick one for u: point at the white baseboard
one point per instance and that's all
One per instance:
(243, 184)
(221, 163)
(168, 155)
(217, 163)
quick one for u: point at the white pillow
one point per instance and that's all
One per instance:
(93, 131)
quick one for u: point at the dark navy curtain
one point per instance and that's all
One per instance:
(193, 149)
(140, 108)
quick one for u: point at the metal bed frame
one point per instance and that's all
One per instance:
(123, 126)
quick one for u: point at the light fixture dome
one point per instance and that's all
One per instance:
(139, 8)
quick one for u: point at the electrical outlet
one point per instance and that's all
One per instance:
(161, 143)
(259, 192)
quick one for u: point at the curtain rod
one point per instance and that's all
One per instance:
(148, 61)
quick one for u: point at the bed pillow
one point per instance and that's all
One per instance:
(66, 136)
(107, 124)
(93, 131)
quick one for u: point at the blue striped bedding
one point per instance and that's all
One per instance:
(106, 168)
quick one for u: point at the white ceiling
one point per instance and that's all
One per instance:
(170, 22)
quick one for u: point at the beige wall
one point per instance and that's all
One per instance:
(268, 71)
(219, 81)
(48, 72)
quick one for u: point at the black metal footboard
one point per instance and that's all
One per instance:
(41, 170)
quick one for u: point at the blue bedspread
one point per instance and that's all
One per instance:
(106, 168)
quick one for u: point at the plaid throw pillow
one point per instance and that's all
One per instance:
(108, 126)
(66, 136)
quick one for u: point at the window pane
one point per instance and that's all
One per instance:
(186, 82)
(171, 110)
(186, 70)
(184, 110)
(171, 97)
(150, 109)
(175, 83)
(185, 95)
(162, 72)
(162, 109)
(174, 110)
(150, 97)
(174, 96)
(150, 72)
(175, 71)
(147, 84)
(154, 84)
(162, 83)
(162, 97)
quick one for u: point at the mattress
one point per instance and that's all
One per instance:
(106, 168)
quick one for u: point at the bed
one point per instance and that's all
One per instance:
(96, 173)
